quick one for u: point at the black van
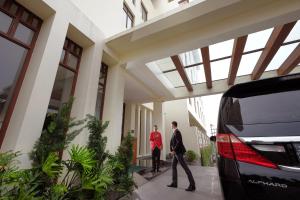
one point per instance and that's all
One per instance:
(258, 140)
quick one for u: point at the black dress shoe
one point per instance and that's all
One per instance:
(158, 171)
(173, 185)
(190, 188)
(153, 170)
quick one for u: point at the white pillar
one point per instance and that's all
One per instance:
(143, 139)
(113, 106)
(31, 107)
(87, 87)
(138, 127)
(129, 121)
(159, 120)
(149, 129)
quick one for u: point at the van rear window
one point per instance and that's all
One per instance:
(268, 108)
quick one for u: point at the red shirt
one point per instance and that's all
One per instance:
(155, 140)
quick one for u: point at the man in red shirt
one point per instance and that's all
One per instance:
(156, 147)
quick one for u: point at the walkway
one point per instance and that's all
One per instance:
(206, 178)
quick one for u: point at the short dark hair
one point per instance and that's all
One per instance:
(174, 123)
(155, 126)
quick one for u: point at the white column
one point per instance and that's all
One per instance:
(129, 121)
(138, 127)
(149, 129)
(159, 120)
(113, 106)
(143, 139)
(31, 107)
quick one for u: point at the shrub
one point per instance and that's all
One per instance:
(89, 173)
(121, 161)
(190, 156)
(206, 154)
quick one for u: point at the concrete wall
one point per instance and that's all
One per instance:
(109, 16)
(61, 19)
(182, 116)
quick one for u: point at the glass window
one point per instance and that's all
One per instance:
(12, 59)
(265, 109)
(221, 49)
(5, 22)
(35, 22)
(65, 82)
(13, 9)
(101, 91)
(258, 40)
(128, 16)
(220, 69)
(25, 16)
(72, 61)
(24, 34)
(2, 2)
(62, 88)
(174, 78)
(62, 57)
(144, 13)
(165, 64)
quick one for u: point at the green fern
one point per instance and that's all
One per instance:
(51, 166)
(83, 157)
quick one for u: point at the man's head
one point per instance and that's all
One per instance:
(155, 127)
(174, 124)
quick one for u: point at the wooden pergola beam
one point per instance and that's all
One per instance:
(290, 63)
(207, 68)
(279, 34)
(179, 67)
(237, 53)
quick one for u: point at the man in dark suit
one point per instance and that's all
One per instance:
(177, 149)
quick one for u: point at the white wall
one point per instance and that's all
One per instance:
(62, 20)
(181, 115)
(109, 15)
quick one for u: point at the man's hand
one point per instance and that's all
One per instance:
(173, 152)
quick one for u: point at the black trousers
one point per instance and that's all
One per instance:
(179, 158)
(155, 158)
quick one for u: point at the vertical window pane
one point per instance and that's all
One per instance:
(62, 89)
(72, 61)
(12, 59)
(35, 22)
(2, 2)
(25, 16)
(24, 34)
(5, 22)
(62, 56)
(13, 9)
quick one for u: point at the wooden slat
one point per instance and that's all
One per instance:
(277, 37)
(207, 68)
(291, 62)
(179, 67)
(237, 53)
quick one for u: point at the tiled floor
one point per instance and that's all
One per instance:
(207, 184)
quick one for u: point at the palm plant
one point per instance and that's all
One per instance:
(59, 130)
(97, 141)
(14, 182)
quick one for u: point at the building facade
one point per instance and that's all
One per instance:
(191, 122)
(114, 57)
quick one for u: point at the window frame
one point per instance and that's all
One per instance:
(129, 15)
(9, 35)
(104, 73)
(144, 12)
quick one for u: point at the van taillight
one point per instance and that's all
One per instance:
(229, 146)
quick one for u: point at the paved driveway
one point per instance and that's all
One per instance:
(207, 183)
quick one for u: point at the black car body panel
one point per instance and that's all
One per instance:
(265, 115)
